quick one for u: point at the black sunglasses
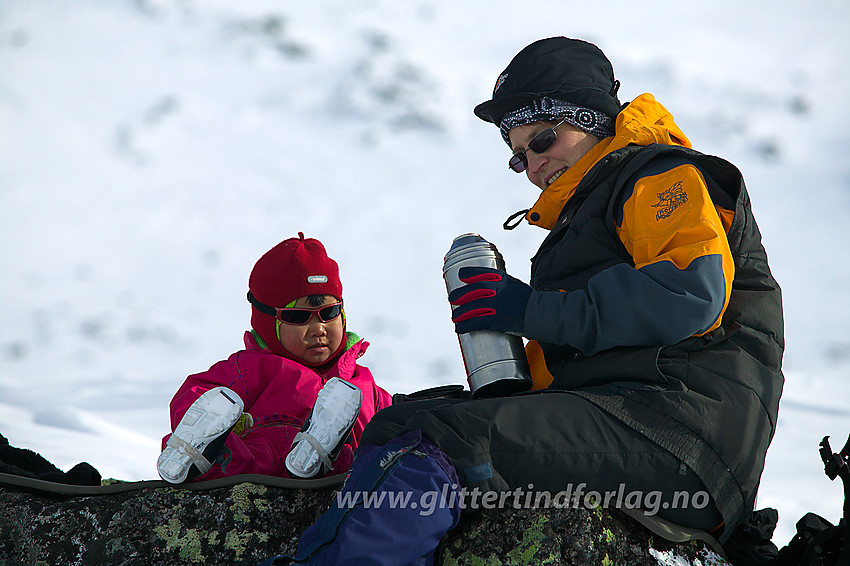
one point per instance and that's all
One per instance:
(538, 144)
(297, 316)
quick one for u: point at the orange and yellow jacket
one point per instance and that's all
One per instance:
(674, 228)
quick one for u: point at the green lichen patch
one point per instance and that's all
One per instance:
(531, 549)
(242, 502)
(187, 542)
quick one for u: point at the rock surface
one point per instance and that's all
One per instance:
(247, 523)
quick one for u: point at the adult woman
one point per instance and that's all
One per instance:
(655, 326)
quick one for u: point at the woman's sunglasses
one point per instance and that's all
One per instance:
(298, 316)
(538, 144)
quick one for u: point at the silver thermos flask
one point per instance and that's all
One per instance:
(495, 362)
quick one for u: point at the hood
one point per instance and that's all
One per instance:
(643, 122)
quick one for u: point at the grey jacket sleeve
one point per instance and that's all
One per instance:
(658, 304)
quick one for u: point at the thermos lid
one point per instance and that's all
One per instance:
(466, 241)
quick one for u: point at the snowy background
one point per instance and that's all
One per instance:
(152, 150)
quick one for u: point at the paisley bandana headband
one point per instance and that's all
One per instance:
(591, 121)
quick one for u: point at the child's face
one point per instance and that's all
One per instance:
(315, 341)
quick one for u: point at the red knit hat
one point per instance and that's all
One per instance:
(295, 268)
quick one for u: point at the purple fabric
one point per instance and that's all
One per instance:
(388, 534)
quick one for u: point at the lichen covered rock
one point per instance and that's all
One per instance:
(247, 523)
(243, 524)
(569, 536)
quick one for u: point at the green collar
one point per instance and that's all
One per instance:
(350, 340)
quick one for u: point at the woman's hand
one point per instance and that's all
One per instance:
(490, 300)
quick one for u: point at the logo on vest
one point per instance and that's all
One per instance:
(317, 279)
(670, 200)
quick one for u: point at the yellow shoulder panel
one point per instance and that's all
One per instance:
(671, 217)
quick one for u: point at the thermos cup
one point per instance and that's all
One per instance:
(495, 362)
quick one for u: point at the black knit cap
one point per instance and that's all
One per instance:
(571, 70)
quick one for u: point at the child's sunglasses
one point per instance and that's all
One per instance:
(538, 144)
(297, 316)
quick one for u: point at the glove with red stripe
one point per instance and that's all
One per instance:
(490, 300)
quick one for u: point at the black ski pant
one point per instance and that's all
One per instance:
(550, 445)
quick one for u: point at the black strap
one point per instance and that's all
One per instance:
(263, 308)
(507, 224)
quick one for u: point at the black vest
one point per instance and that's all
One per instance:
(712, 401)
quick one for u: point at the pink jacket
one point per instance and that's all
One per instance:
(279, 394)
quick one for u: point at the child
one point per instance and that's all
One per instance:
(286, 404)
